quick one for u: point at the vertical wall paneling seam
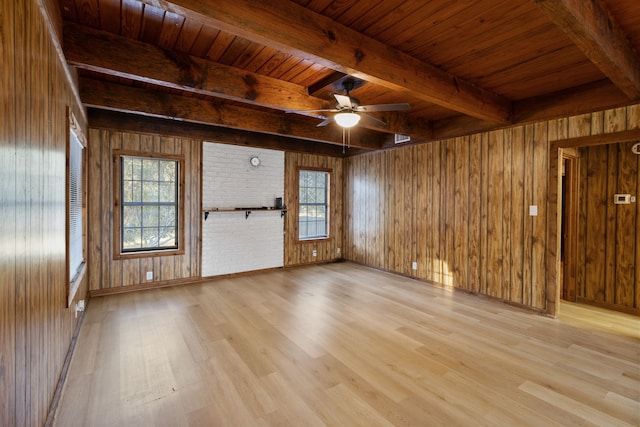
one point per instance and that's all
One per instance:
(548, 219)
(610, 254)
(509, 252)
(467, 142)
(483, 217)
(200, 184)
(527, 221)
(21, 240)
(8, 361)
(615, 176)
(619, 219)
(637, 258)
(506, 216)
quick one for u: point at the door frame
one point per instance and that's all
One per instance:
(553, 285)
(570, 216)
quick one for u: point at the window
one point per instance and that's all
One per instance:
(76, 220)
(313, 213)
(148, 219)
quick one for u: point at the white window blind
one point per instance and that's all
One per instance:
(75, 205)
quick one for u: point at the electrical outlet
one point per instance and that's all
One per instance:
(79, 307)
(414, 265)
(315, 253)
(623, 199)
(149, 275)
(338, 251)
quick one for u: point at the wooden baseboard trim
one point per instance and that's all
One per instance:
(614, 307)
(180, 282)
(521, 306)
(57, 394)
(518, 305)
(194, 280)
(305, 264)
(145, 286)
(242, 273)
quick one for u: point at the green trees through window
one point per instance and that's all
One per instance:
(313, 214)
(149, 203)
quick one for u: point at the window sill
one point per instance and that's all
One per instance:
(314, 240)
(148, 254)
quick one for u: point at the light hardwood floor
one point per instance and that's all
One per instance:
(345, 345)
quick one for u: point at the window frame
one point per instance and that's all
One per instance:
(117, 208)
(329, 173)
(73, 282)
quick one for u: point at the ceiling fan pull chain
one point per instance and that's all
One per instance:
(344, 130)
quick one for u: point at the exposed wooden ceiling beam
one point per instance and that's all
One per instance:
(105, 119)
(106, 53)
(583, 99)
(597, 34)
(630, 135)
(328, 80)
(297, 30)
(153, 103)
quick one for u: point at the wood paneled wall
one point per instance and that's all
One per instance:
(107, 274)
(608, 234)
(301, 252)
(36, 328)
(459, 208)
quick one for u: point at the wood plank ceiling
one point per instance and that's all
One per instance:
(243, 65)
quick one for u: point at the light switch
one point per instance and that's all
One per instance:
(533, 210)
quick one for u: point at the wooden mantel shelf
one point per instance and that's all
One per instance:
(247, 211)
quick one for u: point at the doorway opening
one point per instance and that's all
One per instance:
(570, 197)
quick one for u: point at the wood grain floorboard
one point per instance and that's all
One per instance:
(345, 345)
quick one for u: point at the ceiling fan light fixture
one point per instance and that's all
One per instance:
(347, 120)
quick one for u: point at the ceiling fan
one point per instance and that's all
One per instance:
(349, 112)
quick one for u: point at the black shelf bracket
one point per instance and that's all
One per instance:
(246, 211)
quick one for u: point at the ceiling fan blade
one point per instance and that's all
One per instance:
(332, 110)
(367, 120)
(384, 107)
(325, 122)
(343, 101)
